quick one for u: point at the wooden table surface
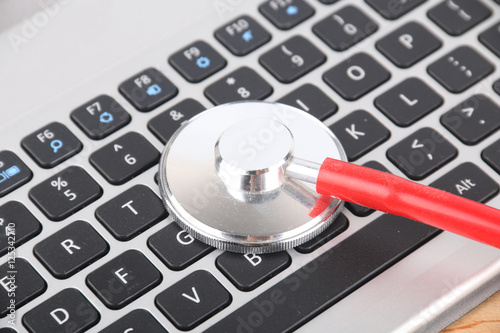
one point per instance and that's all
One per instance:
(483, 319)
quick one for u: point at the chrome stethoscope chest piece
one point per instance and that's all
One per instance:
(223, 177)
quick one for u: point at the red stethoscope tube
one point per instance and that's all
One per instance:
(394, 195)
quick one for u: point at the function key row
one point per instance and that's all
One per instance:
(340, 30)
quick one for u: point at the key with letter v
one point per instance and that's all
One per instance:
(193, 300)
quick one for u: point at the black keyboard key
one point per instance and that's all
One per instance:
(292, 59)
(242, 84)
(408, 44)
(13, 172)
(124, 158)
(67, 311)
(51, 145)
(359, 210)
(124, 279)
(286, 14)
(65, 193)
(197, 61)
(468, 181)
(100, 117)
(496, 86)
(336, 228)
(344, 28)
(491, 155)
(491, 39)
(193, 300)
(328, 2)
(421, 153)
(131, 212)
(71, 249)
(17, 226)
(19, 284)
(176, 248)
(330, 277)
(460, 69)
(356, 76)
(359, 132)
(312, 100)
(408, 102)
(456, 17)
(393, 9)
(473, 120)
(242, 35)
(248, 271)
(7, 330)
(138, 320)
(148, 89)
(167, 122)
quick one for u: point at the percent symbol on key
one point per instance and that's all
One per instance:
(59, 183)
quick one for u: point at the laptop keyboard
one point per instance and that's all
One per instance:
(81, 254)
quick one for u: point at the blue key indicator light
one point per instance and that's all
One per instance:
(292, 10)
(106, 117)
(56, 145)
(203, 62)
(247, 36)
(10, 172)
(153, 90)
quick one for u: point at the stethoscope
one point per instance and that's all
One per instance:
(263, 177)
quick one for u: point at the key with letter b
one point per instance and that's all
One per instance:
(248, 271)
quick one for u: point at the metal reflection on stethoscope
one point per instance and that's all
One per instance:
(222, 177)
